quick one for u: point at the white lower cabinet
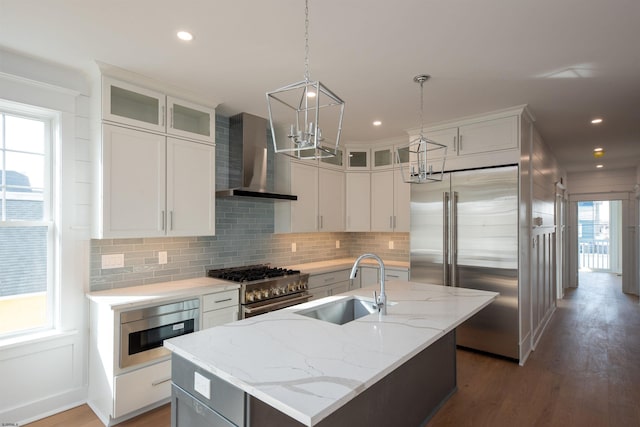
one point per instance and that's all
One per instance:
(370, 275)
(142, 387)
(219, 308)
(331, 283)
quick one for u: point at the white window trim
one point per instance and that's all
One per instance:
(51, 214)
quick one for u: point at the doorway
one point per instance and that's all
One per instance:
(600, 236)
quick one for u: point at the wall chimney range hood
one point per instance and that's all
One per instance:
(248, 159)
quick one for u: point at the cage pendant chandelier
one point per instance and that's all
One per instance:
(422, 160)
(305, 117)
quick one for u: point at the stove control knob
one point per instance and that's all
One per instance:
(249, 296)
(265, 293)
(275, 291)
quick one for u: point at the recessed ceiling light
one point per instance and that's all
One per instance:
(185, 35)
(596, 121)
(377, 123)
(598, 152)
(599, 166)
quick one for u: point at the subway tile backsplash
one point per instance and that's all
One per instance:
(244, 235)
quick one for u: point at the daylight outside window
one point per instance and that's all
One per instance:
(26, 223)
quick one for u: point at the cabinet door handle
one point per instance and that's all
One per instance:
(459, 143)
(391, 222)
(157, 383)
(170, 220)
(394, 222)
(162, 114)
(171, 115)
(392, 275)
(162, 221)
(221, 300)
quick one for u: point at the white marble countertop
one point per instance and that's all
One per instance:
(308, 368)
(134, 296)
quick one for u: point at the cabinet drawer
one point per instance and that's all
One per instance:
(391, 274)
(219, 317)
(219, 300)
(324, 279)
(137, 389)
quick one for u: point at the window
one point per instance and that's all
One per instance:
(26, 221)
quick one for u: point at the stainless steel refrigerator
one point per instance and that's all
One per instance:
(464, 233)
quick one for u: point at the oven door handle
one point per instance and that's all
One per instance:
(276, 305)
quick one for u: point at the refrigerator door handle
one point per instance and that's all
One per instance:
(445, 239)
(454, 239)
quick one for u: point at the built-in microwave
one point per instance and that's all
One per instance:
(143, 330)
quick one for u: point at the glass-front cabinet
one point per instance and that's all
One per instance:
(335, 162)
(132, 105)
(358, 159)
(190, 120)
(383, 158)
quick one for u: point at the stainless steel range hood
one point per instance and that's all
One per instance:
(248, 159)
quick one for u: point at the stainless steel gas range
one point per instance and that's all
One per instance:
(264, 288)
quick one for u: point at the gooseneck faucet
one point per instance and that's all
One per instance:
(381, 300)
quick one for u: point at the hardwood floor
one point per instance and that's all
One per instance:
(584, 372)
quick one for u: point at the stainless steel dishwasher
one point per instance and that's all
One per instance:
(201, 399)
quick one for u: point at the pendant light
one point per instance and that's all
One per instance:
(305, 117)
(422, 160)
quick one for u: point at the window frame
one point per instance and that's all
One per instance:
(51, 208)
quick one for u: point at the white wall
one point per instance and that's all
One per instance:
(46, 374)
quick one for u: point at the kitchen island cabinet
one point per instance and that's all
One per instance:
(311, 372)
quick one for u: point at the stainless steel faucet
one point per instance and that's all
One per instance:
(381, 300)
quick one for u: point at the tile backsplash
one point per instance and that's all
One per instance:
(244, 236)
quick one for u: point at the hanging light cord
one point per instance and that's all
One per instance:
(421, 108)
(306, 41)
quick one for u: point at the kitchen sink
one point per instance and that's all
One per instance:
(341, 311)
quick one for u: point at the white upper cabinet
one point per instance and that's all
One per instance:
(132, 105)
(330, 200)
(447, 137)
(320, 204)
(358, 159)
(190, 188)
(358, 201)
(390, 198)
(304, 211)
(488, 135)
(154, 186)
(383, 158)
(133, 184)
(335, 162)
(189, 120)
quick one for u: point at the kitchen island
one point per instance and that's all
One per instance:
(290, 369)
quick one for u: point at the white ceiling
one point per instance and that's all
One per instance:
(569, 60)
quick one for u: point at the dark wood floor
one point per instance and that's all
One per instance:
(585, 372)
